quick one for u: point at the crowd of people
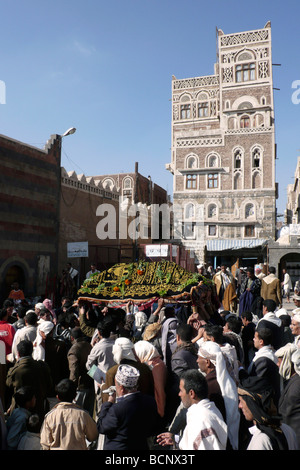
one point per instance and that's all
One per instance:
(219, 370)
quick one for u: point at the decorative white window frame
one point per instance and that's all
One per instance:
(243, 117)
(203, 97)
(188, 157)
(127, 178)
(247, 207)
(186, 180)
(187, 216)
(208, 179)
(251, 219)
(249, 59)
(189, 219)
(263, 100)
(243, 99)
(215, 217)
(250, 52)
(208, 158)
(259, 169)
(110, 185)
(184, 100)
(238, 171)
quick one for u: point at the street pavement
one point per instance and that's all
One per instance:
(289, 306)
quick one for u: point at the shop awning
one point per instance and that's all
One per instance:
(234, 244)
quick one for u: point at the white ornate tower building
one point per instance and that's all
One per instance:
(223, 150)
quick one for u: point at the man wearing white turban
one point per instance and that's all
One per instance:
(212, 351)
(123, 349)
(43, 330)
(284, 363)
(51, 350)
(123, 353)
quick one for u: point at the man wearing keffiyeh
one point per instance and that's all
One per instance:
(257, 405)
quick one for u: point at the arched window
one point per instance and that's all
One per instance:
(127, 183)
(245, 105)
(185, 107)
(212, 211)
(191, 162)
(189, 211)
(108, 184)
(203, 105)
(249, 211)
(213, 161)
(245, 122)
(256, 157)
(238, 159)
(245, 55)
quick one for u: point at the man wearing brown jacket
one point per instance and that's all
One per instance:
(67, 426)
(271, 287)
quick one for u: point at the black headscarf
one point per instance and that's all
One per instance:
(258, 395)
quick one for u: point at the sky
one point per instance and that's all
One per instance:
(105, 67)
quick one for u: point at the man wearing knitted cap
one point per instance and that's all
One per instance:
(129, 417)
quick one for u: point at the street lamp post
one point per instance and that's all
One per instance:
(70, 131)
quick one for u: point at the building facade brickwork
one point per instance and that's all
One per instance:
(223, 146)
(29, 213)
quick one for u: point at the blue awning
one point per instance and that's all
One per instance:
(234, 244)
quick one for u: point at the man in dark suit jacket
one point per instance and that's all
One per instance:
(185, 355)
(264, 363)
(183, 358)
(130, 419)
(272, 322)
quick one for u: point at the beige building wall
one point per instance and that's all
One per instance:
(223, 144)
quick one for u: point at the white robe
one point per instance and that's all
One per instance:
(205, 428)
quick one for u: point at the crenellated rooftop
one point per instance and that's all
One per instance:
(87, 184)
